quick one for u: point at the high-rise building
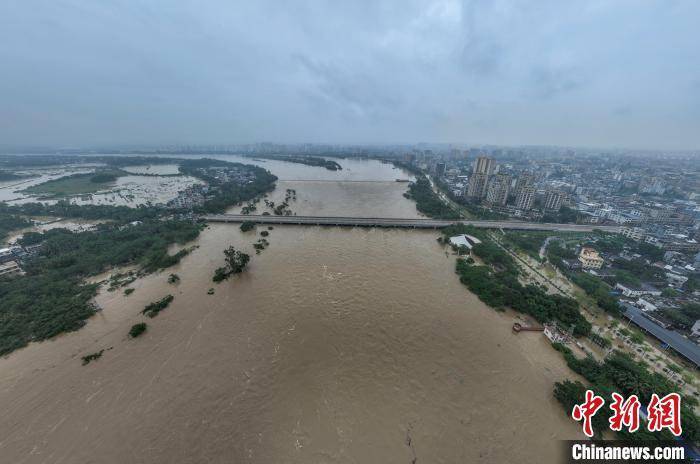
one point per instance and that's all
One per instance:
(498, 189)
(477, 185)
(484, 165)
(440, 169)
(478, 182)
(553, 200)
(525, 198)
(525, 179)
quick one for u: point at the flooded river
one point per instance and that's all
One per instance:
(336, 346)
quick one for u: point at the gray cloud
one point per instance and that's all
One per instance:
(591, 73)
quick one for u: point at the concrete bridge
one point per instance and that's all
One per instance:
(403, 223)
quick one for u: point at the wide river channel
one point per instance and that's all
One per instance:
(337, 345)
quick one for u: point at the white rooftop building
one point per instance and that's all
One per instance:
(464, 240)
(696, 328)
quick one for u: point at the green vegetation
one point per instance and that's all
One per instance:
(137, 329)
(282, 209)
(614, 243)
(260, 245)
(693, 283)
(121, 280)
(307, 160)
(670, 292)
(247, 225)
(77, 184)
(236, 261)
(600, 341)
(10, 222)
(610, 243)
(173, 278)
(427, 201)
(565, 215)
(153, 309)
(683, 317)
(637, 338)
(635, 270)
(571, 393)
(625, 277)
(620, 373)
(227, 193)
(128, 291)
(247, 209)
(529, 242)
(593, 286)
(649, 251)
(315, 161)
(35, 161)
(52, 297)
(103, 178)
(497, 285)
(92, 357)
(597, 289)
(64, 209)
(264, 233)
(6, 176)
(478, 211)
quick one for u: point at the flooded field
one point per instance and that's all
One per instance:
(11, 191)
(335, 346)
(154, 169)
(75, 225)
(129, 191)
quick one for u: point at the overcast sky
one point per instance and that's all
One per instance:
(579, 73)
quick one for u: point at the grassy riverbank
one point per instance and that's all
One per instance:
(78, 184)
(427, 201)
(496, 283)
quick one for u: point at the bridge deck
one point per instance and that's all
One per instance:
(402, 223)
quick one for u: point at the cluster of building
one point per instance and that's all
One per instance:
(654, 198)
(195, 195)
(495, 186)
(646, 300)
(192, 196)
(12, 259)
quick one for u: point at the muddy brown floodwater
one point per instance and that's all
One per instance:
(336, 346)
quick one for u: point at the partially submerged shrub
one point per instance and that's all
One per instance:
(137, 329)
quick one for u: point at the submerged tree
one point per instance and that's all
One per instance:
(236, 261)
(247, 225)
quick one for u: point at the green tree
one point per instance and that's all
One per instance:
(137, 329)
(247, 225)
(236, 261)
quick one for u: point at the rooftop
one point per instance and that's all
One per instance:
(680, 344)
(464, 240)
